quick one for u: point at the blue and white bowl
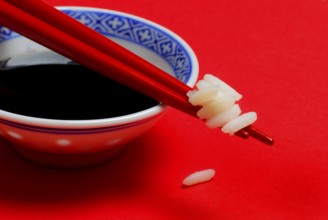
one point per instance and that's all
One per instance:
(76, 143)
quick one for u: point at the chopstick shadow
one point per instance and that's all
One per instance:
(23, 181)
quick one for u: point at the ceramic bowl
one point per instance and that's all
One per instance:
(80, 143)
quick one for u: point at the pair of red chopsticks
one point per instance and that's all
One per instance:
(47, 26)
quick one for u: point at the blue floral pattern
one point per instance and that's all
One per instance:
(130, 29)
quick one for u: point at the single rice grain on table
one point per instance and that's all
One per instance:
(199, 177)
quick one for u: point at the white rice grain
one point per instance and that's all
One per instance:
(215, 107)
(240, 122)
(216, 81)
(221, 119)
(202, 96)
(218, 105)
(201, 84)
(191, 93)
(199, 177)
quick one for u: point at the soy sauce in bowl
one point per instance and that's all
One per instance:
(64, 91)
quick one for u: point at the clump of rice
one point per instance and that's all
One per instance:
(199, 177)
(219, 105)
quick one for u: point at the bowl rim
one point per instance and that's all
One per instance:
(113, 121)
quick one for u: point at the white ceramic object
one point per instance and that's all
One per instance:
(78, 143)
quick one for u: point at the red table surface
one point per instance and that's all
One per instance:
(274, 52)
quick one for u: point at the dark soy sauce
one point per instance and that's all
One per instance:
(67, 92)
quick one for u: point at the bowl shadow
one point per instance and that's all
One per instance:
(24, 181)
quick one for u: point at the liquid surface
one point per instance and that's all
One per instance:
(67, 92)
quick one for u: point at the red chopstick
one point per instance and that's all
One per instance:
(81, 52)
(68, 37)
(70, 26)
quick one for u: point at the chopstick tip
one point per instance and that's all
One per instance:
(243, 134)
(259, 135)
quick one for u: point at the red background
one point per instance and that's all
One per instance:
(274, 52)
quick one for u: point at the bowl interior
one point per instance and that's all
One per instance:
(149, 40)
